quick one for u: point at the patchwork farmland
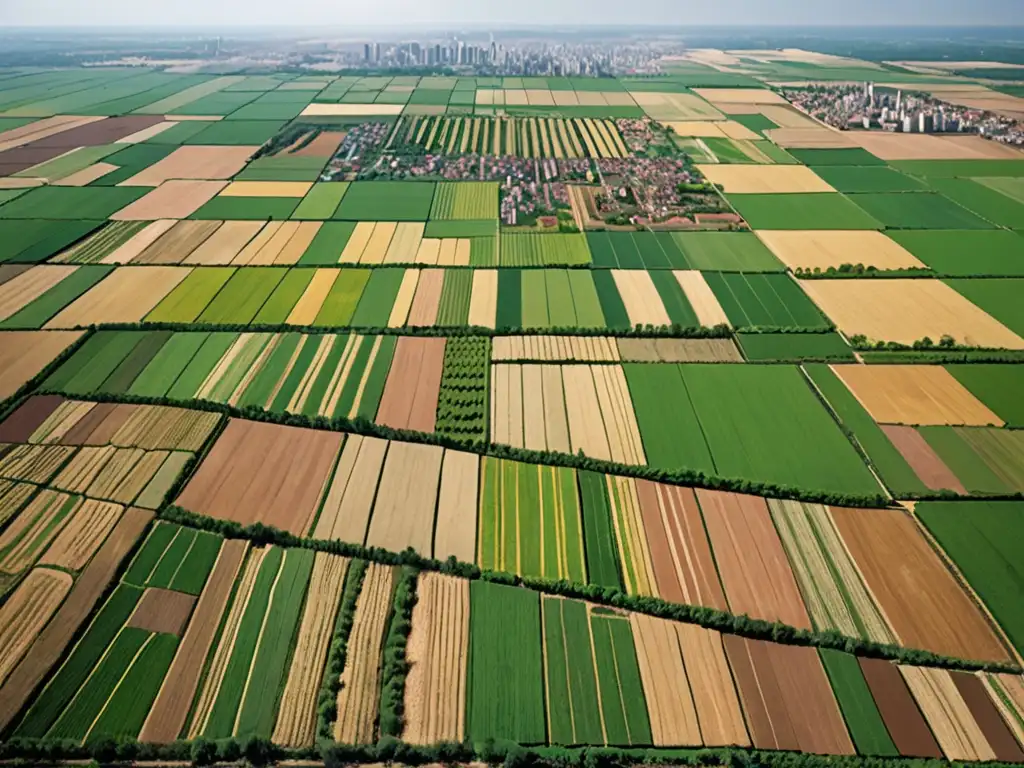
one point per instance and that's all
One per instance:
(454, 419)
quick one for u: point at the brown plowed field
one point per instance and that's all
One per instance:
(678, 351)
(1007, 691)
(162, 610)
(986, 714)
(23, 354)
(414, 381)
(102, 433)
(923, 459)
(99, 132)
(51, 644)
(167, 717)
(427, 299)
(403, 514)
(435, 690)
(360, 679)
(764, 586)
(178, 242)
(906, 725)
(19, 426)
(670, 704)
(296, 718)
(264, 473)
(914, 394)
(712, 686)
(10, 271)
(786, 690)
(925, 604)
(947, 714)
(79, 432)
(684, 569)
(324, 145)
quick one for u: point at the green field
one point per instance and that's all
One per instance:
(340, 304)
(247, 209)
(834, 157)
(386, 201)
(547, 250)
(572, 697)
(466, 200)
(793, 347)
(950, 169)
(726, 251)
(321, 201)
(984, 539)
(90, 366)
(997, 386)
(242, 295)
(276, 309)
(456, 292)
(188, 300)
(764, 300)
(985, 460)
(102, 242)
(463, 228)
(999, 297)
(378, 297)
(988, 203)
(872, 178)
(965, 253)
(40, 310)
(32, 241)
(71, 203)
(174, 558)
(505, 670)
(165, 367)
(327, 246)
(823, 210)
(918, 210)
(601, 549)
(867, 728)
(236, 133)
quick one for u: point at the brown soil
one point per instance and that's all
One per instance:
(178, 242)
(163, 610)
(923, 459)
(194, 162)
(413, 384)
(427, 300)
(985, 713)
(99, 425)
(167, 717)
(19, 426)
(51, 644)
(100, 132)
(324, 145)
(739, 652)
(763, 587)
(11, 271)
(264, 473)
(23, 354)
(684, 569)
(925, 604)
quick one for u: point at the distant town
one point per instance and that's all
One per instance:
(869, 106)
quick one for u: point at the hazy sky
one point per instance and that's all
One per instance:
(532, 12)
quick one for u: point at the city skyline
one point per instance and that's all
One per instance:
(533, 12)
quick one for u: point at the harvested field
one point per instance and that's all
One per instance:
(25, 288)
(638, 293)
(947, 713)
(324, 145)
(32, 463)
(455, 527)
(178, 242)
(360, 678)
(833, 248)
(678, 350)
(914, 394)
(675, 107)
(765, 587)
(410, 394)
(171, 200)
(576, 349)
(26, 612)
(51, 644)
(926, 607)
(194, 162)
(787, 698)
(264, 473)
(833, 590)
(435, 689)
(352, 110)
(23, 354)
(730, 96)
(162, 610)
(126, 296)
(703, 300)
(169, 712)
(266, 189)
(670, 705)
(902, 718)
(906, 311)
(296, 719)
(902, 146)
(809, 138)
(82, 535)
(684, 569)
(764, 179)
(483, 305)
(923, 459)
(346, 509)
(403, 513)
(224, 245)
(634, 553)
(711, 683)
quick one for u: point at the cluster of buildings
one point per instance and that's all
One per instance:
(872, 107)
(522, 58)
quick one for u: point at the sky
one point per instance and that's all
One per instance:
(522, 12)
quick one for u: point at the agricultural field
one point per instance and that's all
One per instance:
(391, 411)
